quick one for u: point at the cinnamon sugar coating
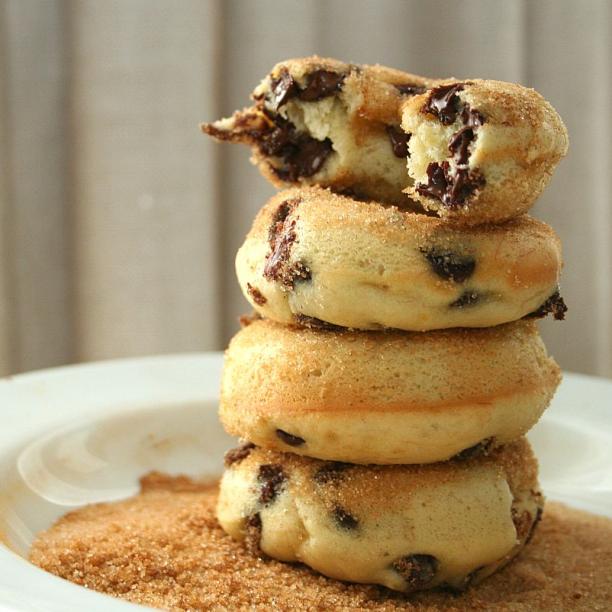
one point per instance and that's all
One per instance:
(165, 549)
(385, 397)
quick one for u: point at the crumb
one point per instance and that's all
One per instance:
(164, 548)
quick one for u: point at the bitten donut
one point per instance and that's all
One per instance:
(321, 121)
(313, 256)
(481, 151)
(405, 527)
(385, 397)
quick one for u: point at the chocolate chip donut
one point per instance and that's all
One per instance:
(405, 527)
(321, 121)
(314, 256)
(385, 397)
(481, 151)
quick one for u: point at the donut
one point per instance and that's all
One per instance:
(315, 256)
(481, 151)
(385, 397)
(322, 121)
(405, 527)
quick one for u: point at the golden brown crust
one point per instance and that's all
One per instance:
(454, 522)
(385, 397)
(359, 134)
(371, 267)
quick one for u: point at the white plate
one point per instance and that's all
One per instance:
(86, 433)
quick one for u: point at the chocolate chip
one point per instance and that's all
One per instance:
(459, 144)
(277, 260)
(344, 519)
(271, 478)
(452, 188)
(554, 304)
(282, 212)
(478, 449)
(437, 184)
(252, 540)
(332, 472)
(282, 89)
(321, 84)
(302, 154)
(464, 185)
(399, 140)
(279, 140)
(449, 265)
(469, 298)
(258, 297)
(409, 89)
(445, 104)
(309, 158)
(238, 454)
(281, 237)
(416, 570)
(289, 439)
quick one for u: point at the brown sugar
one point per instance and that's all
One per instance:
(165, 549)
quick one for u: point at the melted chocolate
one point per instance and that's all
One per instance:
(289, 439)
(302, 154)
(452, 188)
(282, 212)
(399, 140)
(343, 519)
(281, 237)
(322, 84)
(282, 89)
(554, 304)
(450, 266)
(309, 158)
(416, 570)
(444, 103)
(271, 478)
(238, 454)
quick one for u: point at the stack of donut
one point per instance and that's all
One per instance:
(384, 386)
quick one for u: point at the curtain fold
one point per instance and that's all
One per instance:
(119, 221)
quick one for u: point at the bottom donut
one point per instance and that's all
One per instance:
(408, 528)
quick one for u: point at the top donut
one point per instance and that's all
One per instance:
(472, 151)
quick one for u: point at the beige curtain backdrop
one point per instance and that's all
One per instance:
(119, 222)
